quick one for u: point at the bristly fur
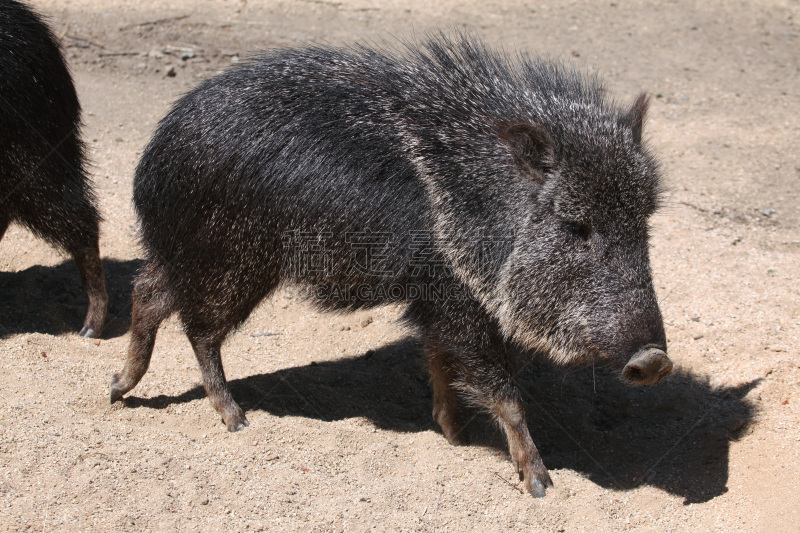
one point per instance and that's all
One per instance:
(509, 187)
(43, 184)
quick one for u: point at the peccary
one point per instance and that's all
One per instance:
(504, 200)
(43, 182)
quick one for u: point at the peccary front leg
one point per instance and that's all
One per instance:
(489, 380)
(472, 357)
(510, 415)
(445, 407)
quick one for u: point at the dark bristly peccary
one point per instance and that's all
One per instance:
(43, 183)
(504, 200)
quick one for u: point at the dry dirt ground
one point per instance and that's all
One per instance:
(341, 436)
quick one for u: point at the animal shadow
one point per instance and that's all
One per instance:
(675, 435)
(50, 299)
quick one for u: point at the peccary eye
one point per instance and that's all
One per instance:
(580, 229)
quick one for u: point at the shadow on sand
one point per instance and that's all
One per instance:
(674, 436)
(50, 299)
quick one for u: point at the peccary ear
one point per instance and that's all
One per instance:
(531, 147)
(635, 117)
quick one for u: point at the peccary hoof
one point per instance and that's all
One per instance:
(537, 489)
(115, 395)
(236, 426)
(116, 390)
(537, 480)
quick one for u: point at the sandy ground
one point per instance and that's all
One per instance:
(341, 436)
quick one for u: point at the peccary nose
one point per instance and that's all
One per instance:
(647, 366)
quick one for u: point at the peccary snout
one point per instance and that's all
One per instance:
(648, 366)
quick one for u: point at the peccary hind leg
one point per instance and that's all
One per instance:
(445, 407)
(150, 308)
(207, 326)
(208, 356)
(208, 316)
(61, 211)
(4, 222)
(94, 283)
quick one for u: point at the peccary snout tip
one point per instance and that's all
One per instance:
(648, 366)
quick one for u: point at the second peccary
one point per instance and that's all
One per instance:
(504, 201)
(43, 181)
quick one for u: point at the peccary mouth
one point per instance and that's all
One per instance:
(648, 366)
